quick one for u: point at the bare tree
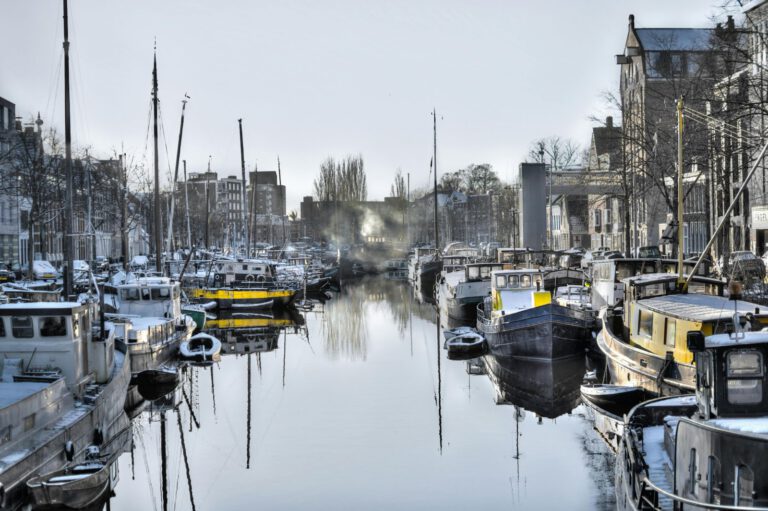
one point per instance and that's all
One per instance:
(398, 187)
(555, 151)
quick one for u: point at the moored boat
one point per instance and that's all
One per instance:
(461, 291)
(644, 341)
(201, 347)
(520, 320)
(705, 450)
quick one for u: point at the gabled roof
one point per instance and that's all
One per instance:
(675, 39)
(607, 140)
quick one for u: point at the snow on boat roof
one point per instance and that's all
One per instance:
(757, 425)
(39, 306)
(141, 323)
(723, 340)
(698, 306)
(688, 400)
(13, 392)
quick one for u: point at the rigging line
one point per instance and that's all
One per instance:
(53, 93)
(165, 143)
(146, 136)
(186, 460)
(146, 467)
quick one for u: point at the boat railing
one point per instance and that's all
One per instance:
(698, 504)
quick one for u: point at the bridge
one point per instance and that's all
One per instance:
(583, 182)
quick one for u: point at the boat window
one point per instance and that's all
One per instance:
(525, 281)
(473, 272)
(2, 327)
(745, 363)
(669, 338)
(514, 281)
(501, 281)
(745, 486)
(53, 326)
(129, 294)
(645, 325)
(745, 391)
(692, 473)
(713, 480)
(161, 293)
(21, 327)
(245, 267)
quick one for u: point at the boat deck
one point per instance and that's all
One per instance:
(658, 462)
(13, 392)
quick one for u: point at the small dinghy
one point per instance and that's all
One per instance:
(466, 346)
(73, 487)
(453, 332)
(201, 348)
(616, 399)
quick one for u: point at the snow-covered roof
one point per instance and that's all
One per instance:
(748, 338)
(698, 306)
(39, 307)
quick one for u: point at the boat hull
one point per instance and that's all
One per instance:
(226, 298)
(632, 366)
(549, 331)
(73, 495)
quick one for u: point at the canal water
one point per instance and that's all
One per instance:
(354, 405)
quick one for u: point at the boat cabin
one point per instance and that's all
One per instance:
(607, 276)
(150, 297)
(657, 317)
(514, 290)
(453, 263)
(242, 273)
(45, 341)
(475, 272)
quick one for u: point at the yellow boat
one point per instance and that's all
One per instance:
(228, 298)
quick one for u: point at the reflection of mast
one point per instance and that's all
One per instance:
(248, 419)
(186, 460)
(285, 349)
(519, 416)
(164, 460)
(439, 386)
(213, 392)
(410, 321)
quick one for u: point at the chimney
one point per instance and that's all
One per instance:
(609, 122)
(631, 21)
(730, 25)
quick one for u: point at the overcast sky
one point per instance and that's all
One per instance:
(317, 78)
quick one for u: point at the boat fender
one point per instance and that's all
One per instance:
(217, 277)
(2, 494)
(260, 278)
(69, 450)
(249, 278)
(98, 437)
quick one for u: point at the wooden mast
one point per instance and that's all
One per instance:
(245, 193)
(68, 228)
(158, 223)
(434, 167)
(176, 176)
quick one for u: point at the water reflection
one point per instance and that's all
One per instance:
(547, 388)
(293, 427)
(345, 334)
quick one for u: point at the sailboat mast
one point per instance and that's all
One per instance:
(244, 194)
(68, 228)
(680, 277)
(158, 223)
(176, 176)
(434, 167)
(186, 208)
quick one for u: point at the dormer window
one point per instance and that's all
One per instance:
(745, 377)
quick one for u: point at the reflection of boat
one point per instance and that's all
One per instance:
(547, 388)
(248, 333)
